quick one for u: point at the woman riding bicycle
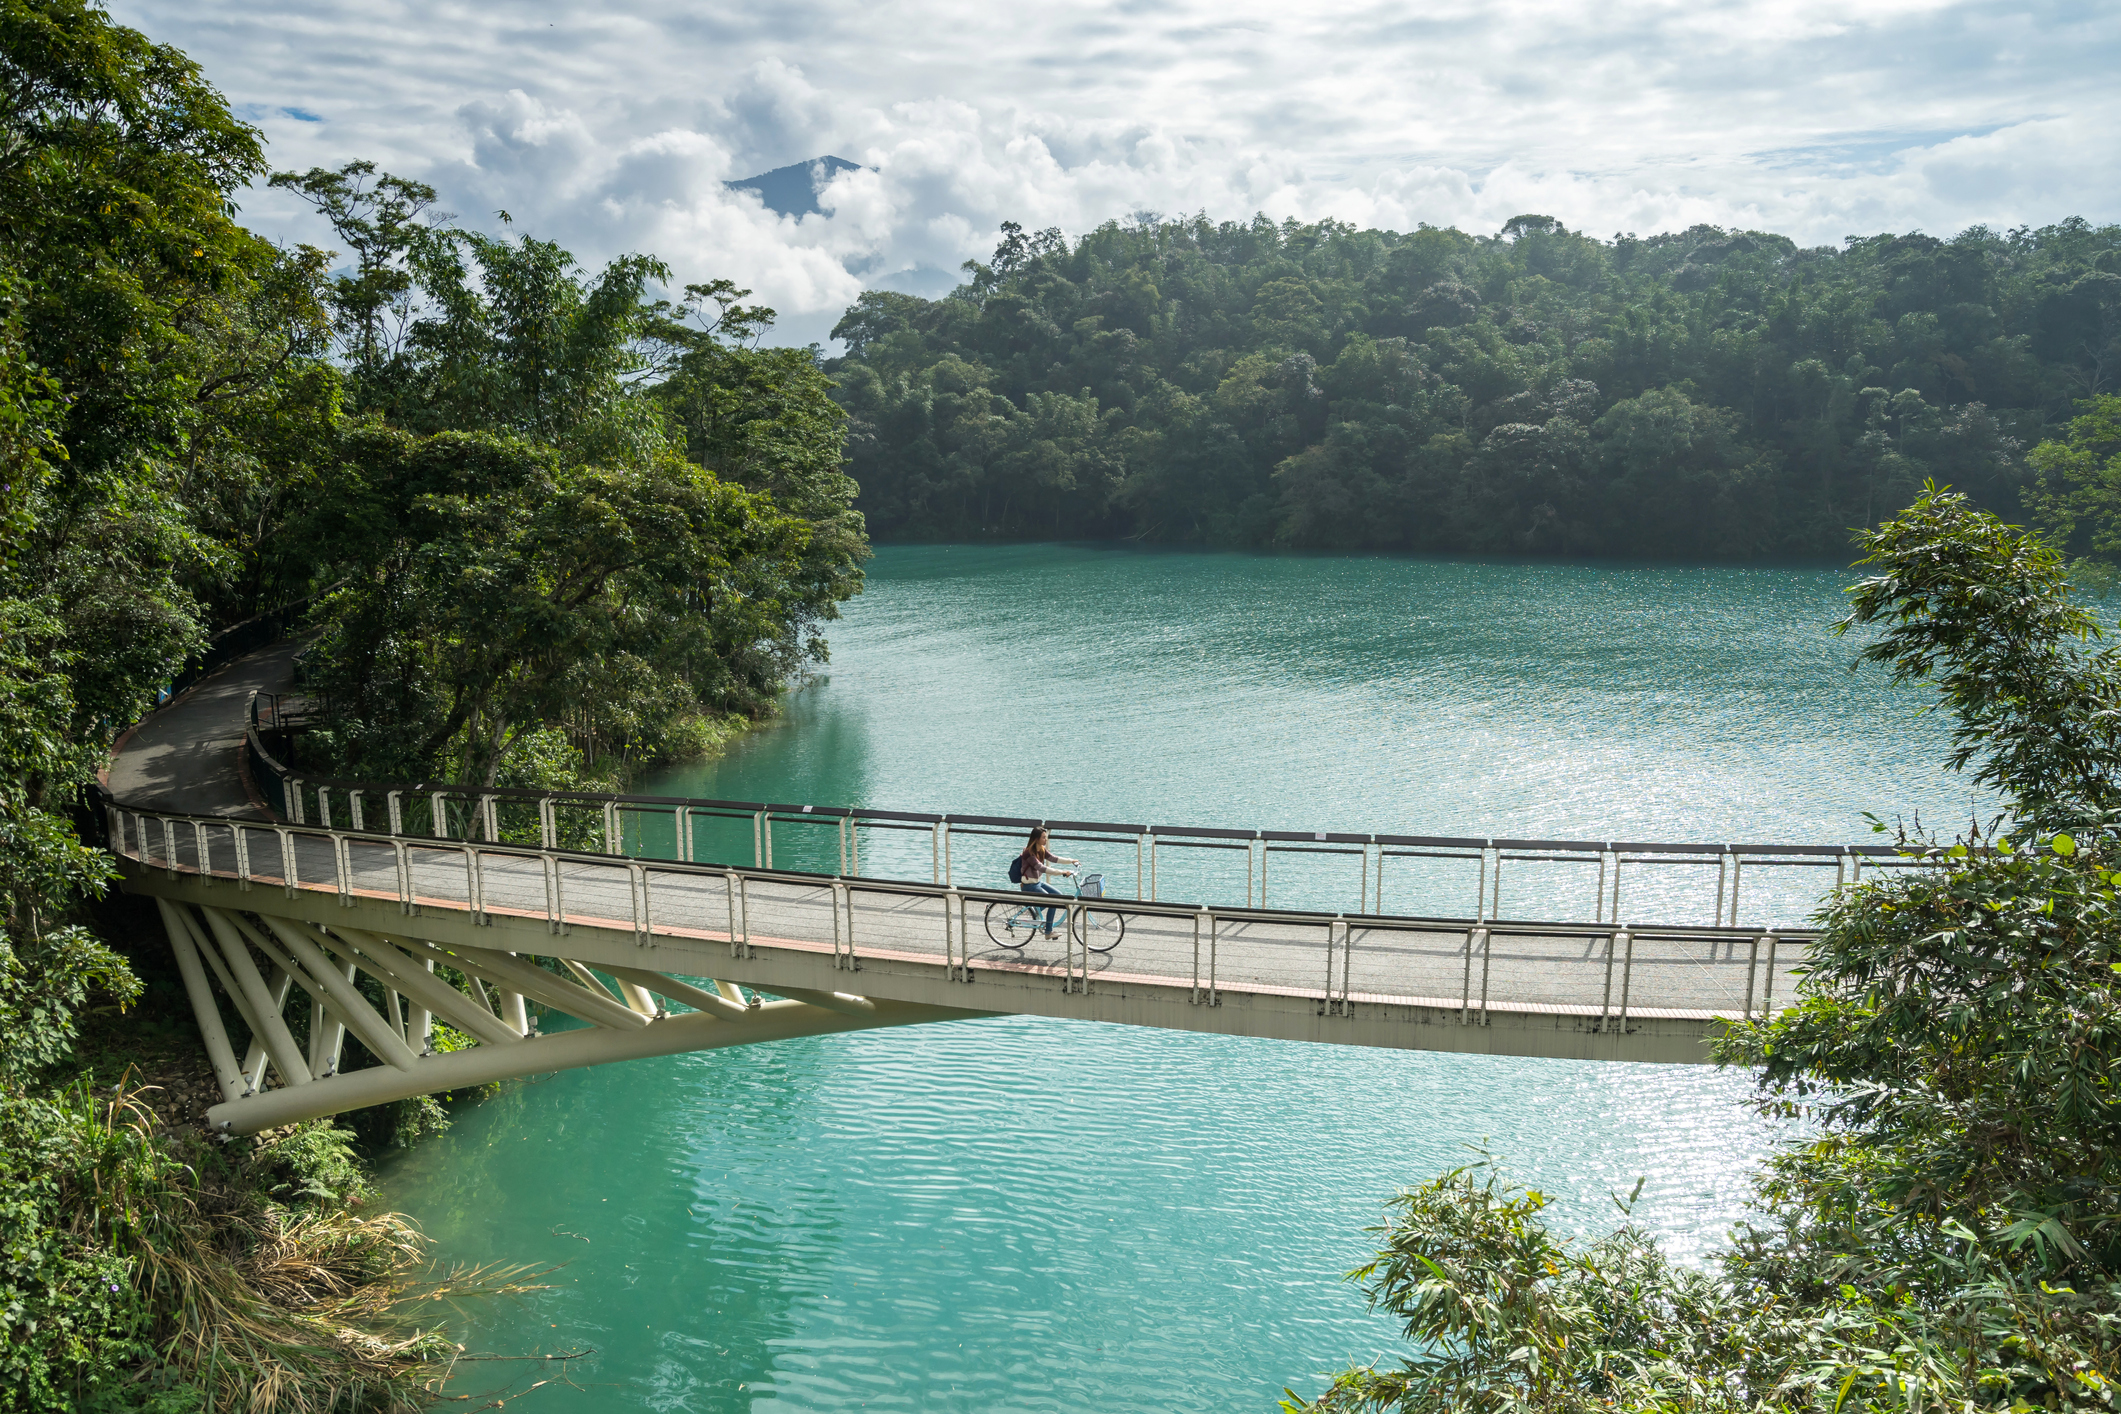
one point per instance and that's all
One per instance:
(1037, 859)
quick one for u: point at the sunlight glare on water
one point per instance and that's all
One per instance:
(1027, 1214)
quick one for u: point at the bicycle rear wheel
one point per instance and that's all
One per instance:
(1011, 925)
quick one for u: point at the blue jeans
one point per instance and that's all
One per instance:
(1038, 888)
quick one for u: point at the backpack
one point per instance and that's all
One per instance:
(1016, 870)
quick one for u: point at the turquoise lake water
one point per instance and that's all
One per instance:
(1024, 1214)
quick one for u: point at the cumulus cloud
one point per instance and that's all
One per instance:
(614, 129)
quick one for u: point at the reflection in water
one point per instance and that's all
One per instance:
(1035, 1215)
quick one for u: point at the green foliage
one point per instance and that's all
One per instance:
(2077, 502)
(130, 338)
(575, 522)
(1983, 610)
(313, 1159)
(377, 216)
(764, 419)
(1948, 1236)
(169, 414)
(1505, 1316)
(1702, 393)
(69, 1304)
(139, 1269)
(496, 588)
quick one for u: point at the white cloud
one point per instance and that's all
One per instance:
(613, 130)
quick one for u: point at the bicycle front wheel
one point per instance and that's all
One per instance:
(1100, 930)
(1010, 924)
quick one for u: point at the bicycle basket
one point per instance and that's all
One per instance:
(1093, 886)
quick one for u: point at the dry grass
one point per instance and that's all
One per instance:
(289, 1309)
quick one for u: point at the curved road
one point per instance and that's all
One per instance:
(186, 758)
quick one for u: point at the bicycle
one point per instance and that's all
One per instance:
(1014, 925)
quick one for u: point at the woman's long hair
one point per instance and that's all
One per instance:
(1034, 848)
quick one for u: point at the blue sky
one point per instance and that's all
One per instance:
(613, 128)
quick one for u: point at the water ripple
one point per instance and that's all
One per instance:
(1024, 1214)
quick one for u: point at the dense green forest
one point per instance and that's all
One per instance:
(1706, 393)
(537, 522)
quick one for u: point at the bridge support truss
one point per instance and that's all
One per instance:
(389, 993)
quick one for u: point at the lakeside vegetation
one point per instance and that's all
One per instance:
(542, 526)
(1948, 1236)
(1699, 394)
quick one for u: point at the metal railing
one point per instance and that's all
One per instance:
(1475, 967)
(1600, 882)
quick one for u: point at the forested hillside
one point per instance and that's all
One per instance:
(1708, 393)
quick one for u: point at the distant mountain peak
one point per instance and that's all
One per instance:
(792, 190)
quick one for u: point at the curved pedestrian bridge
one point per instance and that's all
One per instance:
(557, 931)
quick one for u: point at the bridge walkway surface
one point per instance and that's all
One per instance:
(632, 957)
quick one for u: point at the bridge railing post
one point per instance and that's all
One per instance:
(1767, 999)
(394, 806)
(1347, 965)
(474, 881)
(407, 904)
(1325, 1003)
(1079, 942)
(548, 875)
(1197, 920)
(1605, 1007)
(950, 934)
(1627, 975)
(342, 868)
(1752, 975)
(288, 880)
(354, 805)
(1487, 957)
(739, 914)
(242, 858)
(643, 911)
(842, 943)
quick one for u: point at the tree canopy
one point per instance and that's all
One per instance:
(525, 514)
(1705, 393)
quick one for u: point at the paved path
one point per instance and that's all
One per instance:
(186, 758)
